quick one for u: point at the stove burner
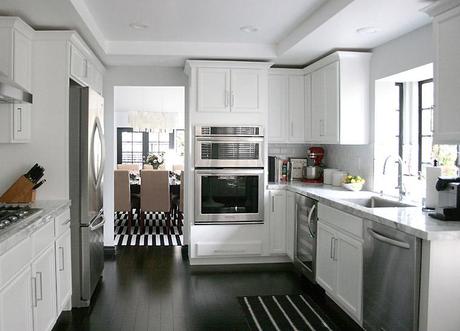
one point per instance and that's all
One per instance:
(10, 214)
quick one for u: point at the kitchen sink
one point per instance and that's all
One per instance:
(378, 202)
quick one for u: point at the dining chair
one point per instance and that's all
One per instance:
(134, 167)
(155, 195)
(148, 167)
(178, 202)
(122, 194)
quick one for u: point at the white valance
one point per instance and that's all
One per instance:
(155, 120)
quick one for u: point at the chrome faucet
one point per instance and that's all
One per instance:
(400, 187)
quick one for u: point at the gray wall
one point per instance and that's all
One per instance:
(409, 51)
(127, 76)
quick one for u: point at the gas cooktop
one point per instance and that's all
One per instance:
(11, 214)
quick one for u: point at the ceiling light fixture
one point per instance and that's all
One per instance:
(249, 28)
(138, 26)
(368, 30)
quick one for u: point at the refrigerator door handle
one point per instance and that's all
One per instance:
(94, 225)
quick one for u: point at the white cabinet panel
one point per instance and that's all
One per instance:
(447, 78)
(277, 222)
(296, 106)
(277, 108)
(44, 279)
(22, 60)
(326, 266)
(308, 112)
(213, 90)
(290, 223)
(21, 122)
(245, 90)
(63, 270)
(16, 303)
(78, 65)
(349, 274)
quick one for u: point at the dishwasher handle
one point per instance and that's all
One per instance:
(387, 240)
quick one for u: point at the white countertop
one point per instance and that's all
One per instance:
(411, 220)
(23, 229)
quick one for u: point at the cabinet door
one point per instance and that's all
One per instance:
(16, 303)
(278, 222)
(349, 274)
(296, 106)
(21, 123)
(307, 100)
(326, 266)
(213, 90)
(44, 278)
(245, 90)
(22, 57)
(290, 224)
(78, 65)
(277, 108)
(63, 270)
(325, 104)
(447, 78)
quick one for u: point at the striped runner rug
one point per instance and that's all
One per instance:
(155, 231)
(285, 312)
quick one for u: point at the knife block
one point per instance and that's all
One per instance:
(20, 192)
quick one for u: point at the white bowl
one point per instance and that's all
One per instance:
(354, 186)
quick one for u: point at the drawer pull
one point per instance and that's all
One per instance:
(229, 250)
(34, 285)
(41, 286)
(62, 266)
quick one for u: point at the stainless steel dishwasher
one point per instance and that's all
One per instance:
(391, 284)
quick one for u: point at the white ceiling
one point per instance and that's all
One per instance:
(291, 32)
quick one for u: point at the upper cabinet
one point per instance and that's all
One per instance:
(288, 117)
(446, 27)
(228, 86)
(16, 63)
(84, 68)
(340, 98)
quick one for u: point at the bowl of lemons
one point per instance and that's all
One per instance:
(353, 183)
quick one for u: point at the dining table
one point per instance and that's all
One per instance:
(135, 187)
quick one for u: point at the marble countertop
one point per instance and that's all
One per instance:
(411, 220)
(16, 233)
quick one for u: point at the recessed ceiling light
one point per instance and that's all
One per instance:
(138, 26)
(249, 28)
(368, 30)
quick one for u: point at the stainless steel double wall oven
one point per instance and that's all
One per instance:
(229, 174)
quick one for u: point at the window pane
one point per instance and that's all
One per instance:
(427, 143)
(427, 95)
(427, 121)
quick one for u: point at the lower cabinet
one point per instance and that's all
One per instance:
(44, 290)
(15, 298)
(290, 224)
(63, 271)
(339, 268)
(277, 222)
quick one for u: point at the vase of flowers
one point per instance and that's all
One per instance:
(155, 160)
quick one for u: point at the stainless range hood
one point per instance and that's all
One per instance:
(10, 92)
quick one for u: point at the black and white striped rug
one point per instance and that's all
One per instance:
(155, 231)
(285, 312)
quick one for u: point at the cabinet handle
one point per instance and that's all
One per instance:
(331, 255)
(34, 285)
(273, 203)
(335, 249)
(321, 128)
(20, 119)
(62, 267)
(41, 286)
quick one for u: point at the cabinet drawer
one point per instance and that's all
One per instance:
(43, 238)
(62, 222)
(14, 260)
(229, 249)
(341, 220)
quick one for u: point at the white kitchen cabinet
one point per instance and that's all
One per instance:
(63, 270)
(44, 290)
(339, 259)
(326, 266)
(213, 90)
(286, 106)
(446, 27)
(277, 221)
(16, 63)
(83, 68)
(245, 91)
(290, 223)
(340, 98)
(16, 303)
(78, 65)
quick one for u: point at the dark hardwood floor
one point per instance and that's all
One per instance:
(154, 288)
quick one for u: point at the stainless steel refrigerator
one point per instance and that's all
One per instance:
(86, 157)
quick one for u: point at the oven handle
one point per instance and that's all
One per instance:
(229, 172)
(230, 139)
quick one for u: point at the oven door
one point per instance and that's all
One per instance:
(229, 196)
(246, 152)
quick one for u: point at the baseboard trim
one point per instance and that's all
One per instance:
(109, 251)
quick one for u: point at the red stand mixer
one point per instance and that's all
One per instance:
(313, 172)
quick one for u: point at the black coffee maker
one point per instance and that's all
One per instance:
(448, 208)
